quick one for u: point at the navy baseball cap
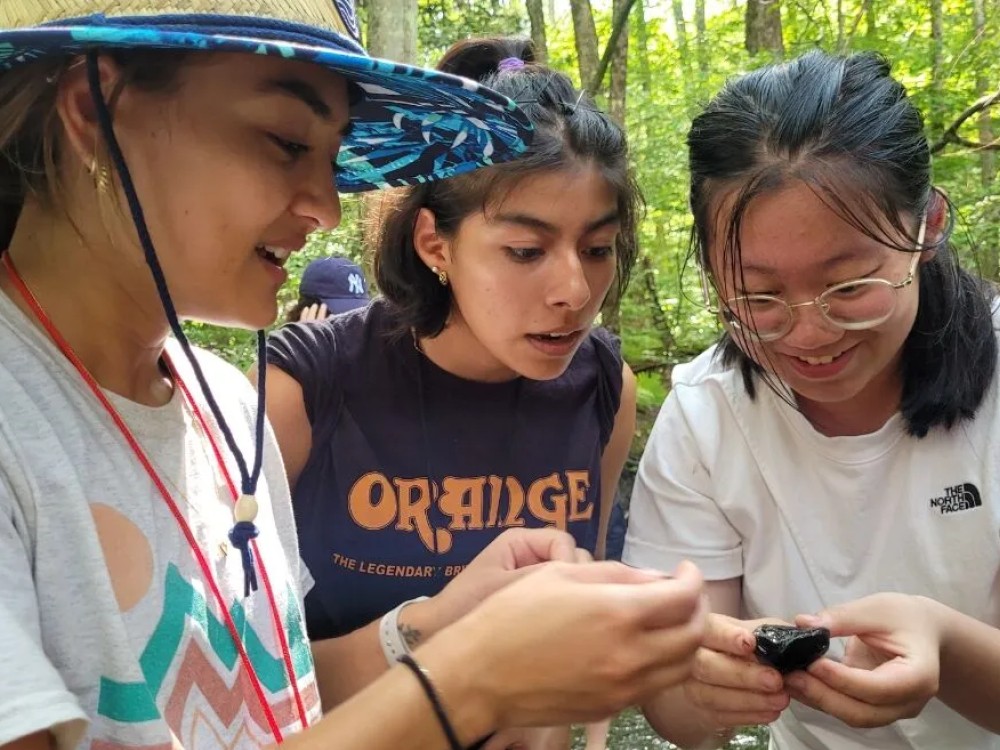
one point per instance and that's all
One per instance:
(337, 282)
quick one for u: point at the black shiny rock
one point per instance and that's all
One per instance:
(787, 648)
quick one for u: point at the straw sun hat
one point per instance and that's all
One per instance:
(408, 125)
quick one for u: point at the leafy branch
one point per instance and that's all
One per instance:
(950, 135)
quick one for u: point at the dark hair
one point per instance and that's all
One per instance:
(567, 128)
(844, 127)
(304, 301)
(30, 128)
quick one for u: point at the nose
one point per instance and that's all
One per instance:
(569, 287)
(318, 200)
(810, 330)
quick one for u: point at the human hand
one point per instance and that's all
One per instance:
(509, 557)
(314, 312)
(891, 667)
(572, 643)
(729, 686)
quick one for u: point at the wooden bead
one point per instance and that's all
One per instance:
(245, 508)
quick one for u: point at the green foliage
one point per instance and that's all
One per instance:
(441, 23)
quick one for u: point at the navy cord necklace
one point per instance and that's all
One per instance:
(245, 510)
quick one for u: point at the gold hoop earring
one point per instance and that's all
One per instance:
(442, 275)
(101, 175)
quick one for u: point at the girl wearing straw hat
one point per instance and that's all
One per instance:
(160, 164)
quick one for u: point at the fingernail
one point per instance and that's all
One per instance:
(770, 682)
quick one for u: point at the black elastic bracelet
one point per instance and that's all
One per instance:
(432, 696)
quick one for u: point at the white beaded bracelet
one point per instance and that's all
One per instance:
(393, 645)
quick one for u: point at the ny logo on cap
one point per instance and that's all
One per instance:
(355, 284)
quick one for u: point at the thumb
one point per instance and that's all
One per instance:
(851, 618)
(611, 572)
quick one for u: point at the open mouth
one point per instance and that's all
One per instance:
(274, 255)
(820, 360)
(555, 338)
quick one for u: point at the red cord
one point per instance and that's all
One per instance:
(95, 388)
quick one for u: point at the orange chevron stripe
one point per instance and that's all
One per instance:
(198, 671)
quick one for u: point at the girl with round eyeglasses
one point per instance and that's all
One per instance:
(831, 461)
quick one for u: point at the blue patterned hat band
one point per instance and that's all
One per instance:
(408, 126)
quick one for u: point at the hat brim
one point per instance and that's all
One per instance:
(337, 305)
(410, 126)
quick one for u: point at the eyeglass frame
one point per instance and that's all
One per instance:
(821, 305)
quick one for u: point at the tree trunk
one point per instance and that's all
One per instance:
(701, 45)
(763, 28)
(642, 42)
(871, 25)
(586, 40)
(990, 262)
(681, 28)
(392, 29)
(619, 69)
(937, 66)
(536, 14)
(551, 11)
(840, 25)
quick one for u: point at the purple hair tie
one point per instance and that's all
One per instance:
(510, 63)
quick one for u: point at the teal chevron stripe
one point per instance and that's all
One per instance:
(134, 702)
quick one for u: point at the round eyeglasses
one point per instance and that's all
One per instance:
(852, 305)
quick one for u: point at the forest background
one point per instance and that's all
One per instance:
(652, 64)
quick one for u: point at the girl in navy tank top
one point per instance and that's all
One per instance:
(476, 394)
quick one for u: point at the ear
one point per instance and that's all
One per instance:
(433, 248)
(938, 218)
(77, 110)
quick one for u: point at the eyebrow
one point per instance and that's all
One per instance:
(533, 222)
(305, 93)
(836, 260)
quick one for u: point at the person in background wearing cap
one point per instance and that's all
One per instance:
(476, 395)
(329, 286)
(159, 166)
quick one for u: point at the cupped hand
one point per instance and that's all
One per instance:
(728, 684)
(891, 666)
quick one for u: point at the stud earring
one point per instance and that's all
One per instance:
(442, 275)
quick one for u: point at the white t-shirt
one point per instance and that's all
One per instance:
(748, 488)
(109, 634)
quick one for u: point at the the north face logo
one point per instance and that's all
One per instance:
(959, 497)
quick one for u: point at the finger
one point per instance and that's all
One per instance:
(307, 313)
(723, 699)
(668, 602)
(530, 546)
(896, 681)
(851, 618)
(812, 692)
(729, 635)
(323, 313)
(583, 556)
(725, 670)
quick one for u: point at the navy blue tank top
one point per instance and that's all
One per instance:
(413, 470)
